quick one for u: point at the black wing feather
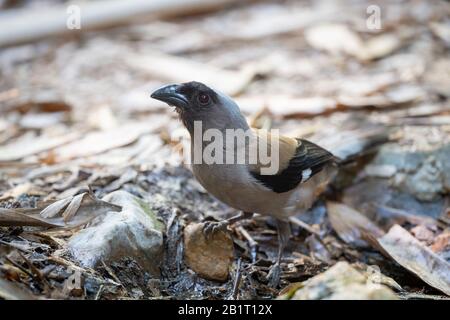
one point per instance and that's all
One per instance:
(308, 155)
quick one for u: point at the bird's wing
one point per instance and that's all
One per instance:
(306, 160)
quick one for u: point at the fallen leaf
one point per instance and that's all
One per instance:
(338, 38)
(286, 106)
(71, 212)
(101, 141)
(177, 69)
(12, 217)
(442, 30)
(55, 208)
(407, 251)
(334, 38)
(29, 144)
(42, 120)
(73, 207)
(83, 207)
(380, 46)
(350, 225)
(17, 191)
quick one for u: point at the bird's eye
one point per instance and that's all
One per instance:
(203, 99)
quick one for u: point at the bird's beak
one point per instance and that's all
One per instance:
(170, 95)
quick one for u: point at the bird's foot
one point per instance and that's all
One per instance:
(211, 227)
(274, 275)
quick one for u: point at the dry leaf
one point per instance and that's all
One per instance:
(11, 217)
(380, 46)
(55, 208)
(74, 211)
(176, 69)
(335, 38)
(17, 191)
(350, 225)
(442, 30)
(286, 106)
(101, 141)
(78, 209)
(73, 207)
(415, 257)
(29, 144)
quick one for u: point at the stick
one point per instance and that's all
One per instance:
(252, 243)
(304, 225)
(237, 280)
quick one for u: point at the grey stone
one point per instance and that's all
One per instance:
(134, 232)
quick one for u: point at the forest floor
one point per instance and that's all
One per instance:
(77, 125)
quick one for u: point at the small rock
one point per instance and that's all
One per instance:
(340, 282)
(134, 232)
(210, 258)
(381, 171)
(426, 183)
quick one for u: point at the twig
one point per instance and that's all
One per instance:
(99, 292)
(37, 273)
(304, 225)
(252, 243)
(237, 281)
(113, 275)
(15, 246)
(19, 266)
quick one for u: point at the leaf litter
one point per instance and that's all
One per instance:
(77, 125)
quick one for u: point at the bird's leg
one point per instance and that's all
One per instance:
(214, 226)
(284, 232)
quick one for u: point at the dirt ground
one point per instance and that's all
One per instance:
(77, 119)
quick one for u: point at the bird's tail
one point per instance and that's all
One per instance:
(348, 146)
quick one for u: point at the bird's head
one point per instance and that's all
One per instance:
(195, 101)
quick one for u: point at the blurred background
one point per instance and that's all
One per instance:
(76, 78)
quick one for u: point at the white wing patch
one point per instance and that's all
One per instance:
(306, 174)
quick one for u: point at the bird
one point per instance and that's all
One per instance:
(304, 168)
